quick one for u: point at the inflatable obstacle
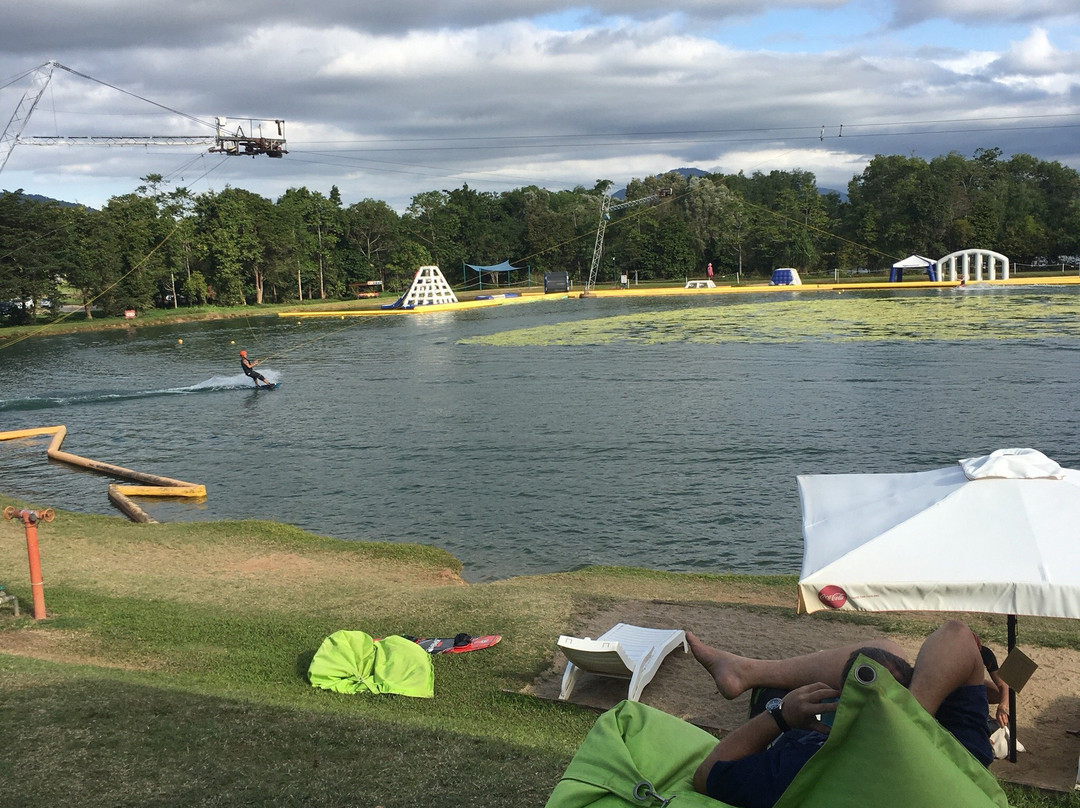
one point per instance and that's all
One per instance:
(429, 288)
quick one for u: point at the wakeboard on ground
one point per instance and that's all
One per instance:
(455, 645)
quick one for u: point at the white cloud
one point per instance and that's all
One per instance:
(1036, 55)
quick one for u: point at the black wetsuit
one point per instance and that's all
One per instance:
(250, 371)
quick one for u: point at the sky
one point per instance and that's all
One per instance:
(389, 100)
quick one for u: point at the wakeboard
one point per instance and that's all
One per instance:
(455, 645)
(274, 386)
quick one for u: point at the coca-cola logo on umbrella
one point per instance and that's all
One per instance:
(832, 596)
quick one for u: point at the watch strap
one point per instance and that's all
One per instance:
(778, 716)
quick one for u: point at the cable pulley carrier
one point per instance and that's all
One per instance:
(239, 143)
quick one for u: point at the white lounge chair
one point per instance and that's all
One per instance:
(625, 651)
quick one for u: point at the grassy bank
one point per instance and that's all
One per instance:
(171, 669)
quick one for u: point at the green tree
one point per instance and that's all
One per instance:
(33, 242)
(371, 230)
(321, 227)
(228, 230)
(194, 288)
(92, 265)
(135, 236)
(403, 262)
(431, 221)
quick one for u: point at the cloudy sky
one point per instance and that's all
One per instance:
(390, 99)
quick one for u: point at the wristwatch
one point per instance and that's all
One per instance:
(775, 708)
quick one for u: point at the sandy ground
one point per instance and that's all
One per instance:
(1048, 706)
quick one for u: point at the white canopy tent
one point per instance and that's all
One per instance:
(997, 534)
(913, 262)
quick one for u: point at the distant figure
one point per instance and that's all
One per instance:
(708, 272)
(249, 370)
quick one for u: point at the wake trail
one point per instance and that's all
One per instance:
(46, 401)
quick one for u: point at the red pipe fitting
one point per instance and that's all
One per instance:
(30, 520)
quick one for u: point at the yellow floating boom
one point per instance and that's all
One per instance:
(155, 485)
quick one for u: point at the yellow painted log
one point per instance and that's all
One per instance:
(30, 433)
(190, 491)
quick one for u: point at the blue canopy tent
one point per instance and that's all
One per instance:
(503, 267)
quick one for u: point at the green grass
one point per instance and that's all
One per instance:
(172, 669)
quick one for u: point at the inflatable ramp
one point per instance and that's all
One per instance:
(429, 288)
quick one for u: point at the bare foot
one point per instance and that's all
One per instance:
(723, 666)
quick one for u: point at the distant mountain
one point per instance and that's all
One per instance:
(689, 172)
(60, 202)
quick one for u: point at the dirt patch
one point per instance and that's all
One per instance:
(1047, 707)
(192, 573)
(275, 562)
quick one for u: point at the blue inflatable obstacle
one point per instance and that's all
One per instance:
(785, 276)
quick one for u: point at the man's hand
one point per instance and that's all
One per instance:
(1002, 715)
(801, 707)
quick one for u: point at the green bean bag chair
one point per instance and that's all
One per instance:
(352, 662)
(884, 751)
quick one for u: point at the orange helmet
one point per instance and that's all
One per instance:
(243, 353)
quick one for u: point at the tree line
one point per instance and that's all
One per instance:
(169, 247)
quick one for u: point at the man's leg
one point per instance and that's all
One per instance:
(947, 660)
(735, 674)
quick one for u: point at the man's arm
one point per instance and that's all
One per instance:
(799, 709)
(1002, 698)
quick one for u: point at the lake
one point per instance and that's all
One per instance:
(546, 436)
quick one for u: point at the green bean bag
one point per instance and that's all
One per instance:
(352, 662)
(884, 751)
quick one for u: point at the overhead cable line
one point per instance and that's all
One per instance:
(173, 110)
(691, 135)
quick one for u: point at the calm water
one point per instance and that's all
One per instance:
(547, 436)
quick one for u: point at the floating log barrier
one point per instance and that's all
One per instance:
(154, 485)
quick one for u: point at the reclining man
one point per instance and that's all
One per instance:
(748, 769)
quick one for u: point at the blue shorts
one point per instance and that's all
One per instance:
(757, 781)
(963, 713)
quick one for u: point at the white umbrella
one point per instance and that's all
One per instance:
(997, 534)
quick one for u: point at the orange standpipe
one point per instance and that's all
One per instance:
(155, 486)
(37, 585)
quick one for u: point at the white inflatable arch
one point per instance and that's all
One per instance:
(969, 265)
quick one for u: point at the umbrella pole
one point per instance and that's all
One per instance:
(1012, 694)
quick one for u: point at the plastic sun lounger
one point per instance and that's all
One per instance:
(624, 651)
